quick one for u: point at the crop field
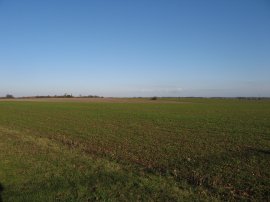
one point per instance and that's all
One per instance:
(135, 150)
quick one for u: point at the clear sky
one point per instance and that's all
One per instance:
(135, 47)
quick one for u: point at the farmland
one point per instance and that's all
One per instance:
(135, 149)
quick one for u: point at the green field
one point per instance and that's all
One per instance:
(179, 150)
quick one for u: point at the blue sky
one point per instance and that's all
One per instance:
(135, 48)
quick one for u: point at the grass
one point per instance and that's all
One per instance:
(187, 149)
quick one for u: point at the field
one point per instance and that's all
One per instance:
(135, 150)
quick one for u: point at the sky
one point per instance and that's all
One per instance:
(126, 48)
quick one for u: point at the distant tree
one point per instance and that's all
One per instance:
(153, 98)
(9, 96)
(68, 95)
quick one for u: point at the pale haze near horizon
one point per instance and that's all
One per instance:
(135, 48)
